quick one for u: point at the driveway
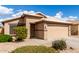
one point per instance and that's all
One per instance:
(9, 46)
(73, 41)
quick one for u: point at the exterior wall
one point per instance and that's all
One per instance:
(39, 30)
(45, 31)
(78, 29)
(1, 31)
(30, 20)
(7, 28)
(69, 30)
(57, 31)
(74, 29)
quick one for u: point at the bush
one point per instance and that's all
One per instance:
(34, 49)
(21, 32)
(5, 38)
(59, 44)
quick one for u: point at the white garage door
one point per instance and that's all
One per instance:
(57, 32)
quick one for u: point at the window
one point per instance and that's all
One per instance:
(12, 28)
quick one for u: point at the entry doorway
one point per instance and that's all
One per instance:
(32, 30)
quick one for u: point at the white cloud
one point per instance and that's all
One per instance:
(31, 12)
(17, 14)
(60, 16)
(21, 12)
(5, 10)
(73, 17)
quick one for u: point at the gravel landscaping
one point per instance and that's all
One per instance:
(9, 46)
(71, 42)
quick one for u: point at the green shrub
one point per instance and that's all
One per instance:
(21, 32)
(5, 38)
(34, 49)
(59, 44)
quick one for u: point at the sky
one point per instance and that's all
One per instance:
(63, 12)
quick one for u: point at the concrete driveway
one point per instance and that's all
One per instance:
(73, 41)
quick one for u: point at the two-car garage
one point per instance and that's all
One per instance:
(52, 30)
(57, 31)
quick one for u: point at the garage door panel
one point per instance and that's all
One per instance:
(57, 32)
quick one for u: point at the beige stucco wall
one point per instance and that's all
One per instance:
(74, 29)
(45, 31)
(1, 30)
(6, 26)
(28, 21)
(39, 30)
(69, 30)
(57, 31)
(78, 29)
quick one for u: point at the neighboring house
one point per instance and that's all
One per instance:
(41, 26)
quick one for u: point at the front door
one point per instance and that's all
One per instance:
(32, 30)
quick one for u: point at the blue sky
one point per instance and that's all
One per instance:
(49, 9)
(60, 11)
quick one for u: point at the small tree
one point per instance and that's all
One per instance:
(21, 32)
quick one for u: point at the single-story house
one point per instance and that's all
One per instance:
(41, 26)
